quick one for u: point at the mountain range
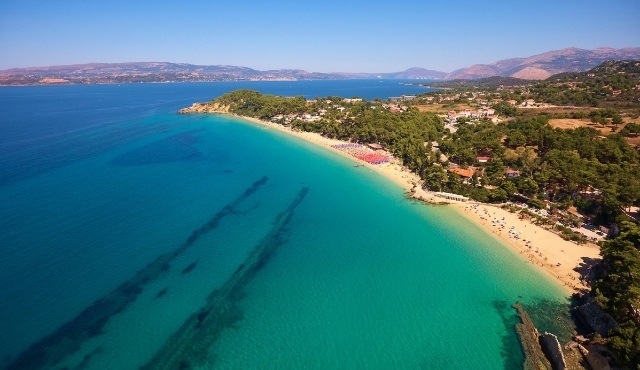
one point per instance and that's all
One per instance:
(541, 66)
(535, 67)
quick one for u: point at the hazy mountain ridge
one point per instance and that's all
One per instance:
(164, 71)
(542, 66)
(539, 66)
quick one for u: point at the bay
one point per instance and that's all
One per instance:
(96, 182)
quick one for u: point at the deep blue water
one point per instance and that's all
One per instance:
(41, 130)
(98, 182)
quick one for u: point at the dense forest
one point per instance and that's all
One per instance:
(617, 290)
(558, 169)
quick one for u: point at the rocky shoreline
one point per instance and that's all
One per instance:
(205, 108)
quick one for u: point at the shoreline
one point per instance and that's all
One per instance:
(567, 263)
(551, 255)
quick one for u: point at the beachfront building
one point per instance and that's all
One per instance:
(465, 173)
(450, 196)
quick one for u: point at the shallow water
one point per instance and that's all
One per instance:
(361, 277)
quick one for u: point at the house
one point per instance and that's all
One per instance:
(482, 159)
(466, 113)
(466, 173)
(512, 173)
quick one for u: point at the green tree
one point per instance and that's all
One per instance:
(617, 120)
(516, 139)
(435, 177)
(527, 186)
(617, 289)
(508, 187)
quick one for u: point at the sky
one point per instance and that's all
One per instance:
(316, 36)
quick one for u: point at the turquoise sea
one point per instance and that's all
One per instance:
(132, 236)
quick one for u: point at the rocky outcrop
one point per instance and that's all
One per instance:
(205, 108)
(595, 361)
(593, 318)
(534, 357)
(553, 351)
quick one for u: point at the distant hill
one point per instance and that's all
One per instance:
(416, 73)
(537, 67)
(179, 72)
(542, 66)
(481, 83)
(611, 84)
(148, 72)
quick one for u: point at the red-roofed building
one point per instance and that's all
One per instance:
(462, 172)
(482, 159)
(511, 173)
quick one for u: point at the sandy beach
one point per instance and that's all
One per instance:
(563, 260)
(392, 170)
(551, 254)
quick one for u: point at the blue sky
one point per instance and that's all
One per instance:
(317, 36)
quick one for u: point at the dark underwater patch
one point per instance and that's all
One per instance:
(68, 338)
(190, 268)
(179, 147)
(189, 346)
(513, 359)
(553, 317)
(161, 293)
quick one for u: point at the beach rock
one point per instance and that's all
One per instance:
(553, 351)
(580, 339)
(571, 345)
